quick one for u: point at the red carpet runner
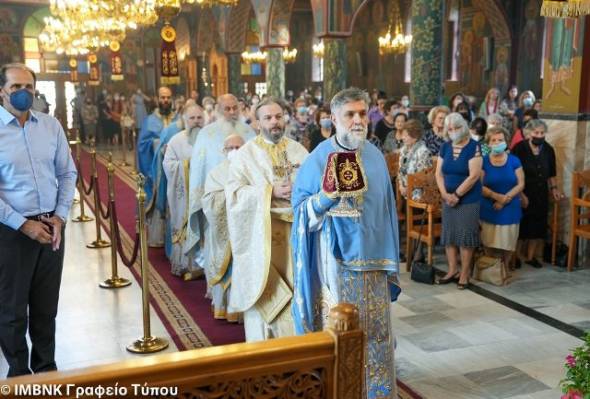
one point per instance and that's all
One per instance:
(182, 306)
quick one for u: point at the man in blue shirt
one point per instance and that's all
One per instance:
(37, 183)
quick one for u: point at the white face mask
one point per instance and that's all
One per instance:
(455, 136)
(231, 154)
(475, 137)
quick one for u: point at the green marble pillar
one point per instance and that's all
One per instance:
(427, 32)
(335, 65)
(275, 73)
(234, 66)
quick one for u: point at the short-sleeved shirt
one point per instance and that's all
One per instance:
(433, 142)
(501, 179)
(456, 170)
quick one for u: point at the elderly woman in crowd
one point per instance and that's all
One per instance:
(538, 162)
(394, 141)
(519, 134)
(503, 181)
(414, 155)
(435, 137)
(458, 173)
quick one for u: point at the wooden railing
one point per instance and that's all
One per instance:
(326, 364)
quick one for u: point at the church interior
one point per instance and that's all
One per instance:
(171, 254)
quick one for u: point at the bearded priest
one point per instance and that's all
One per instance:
(345, 237)
(176, 165)
(207, 154)
(258, 193)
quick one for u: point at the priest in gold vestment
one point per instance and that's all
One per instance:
(217, 249)
(258, 193)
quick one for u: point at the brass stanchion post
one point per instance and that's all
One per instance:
(76, 143)
(114, 281)
(124, 132)
(134, 172)
(99, 242)
(83, 217)
(148, 343)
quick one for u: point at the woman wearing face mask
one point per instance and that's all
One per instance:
(538, 161)
(414, 156)
(508, 106)
(458, 173)
(465, 112)
(455, 100)
(322, 129)
(503, 181)
(387, 123)
(519, 134)
(525, 101)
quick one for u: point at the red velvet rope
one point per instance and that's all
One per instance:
(106, 214)
(126, 261)
(91, 187)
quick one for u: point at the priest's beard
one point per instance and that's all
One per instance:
(192, 134)
(232, 126)
(274, 134)
(353, 138)
(164, 109)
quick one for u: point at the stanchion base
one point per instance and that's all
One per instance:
(149, 345)
(82, 218)
(115, 282)
(98, 244)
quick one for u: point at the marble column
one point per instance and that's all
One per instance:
(234, 66)
(335, 67)
(427, 32)
(275, 73)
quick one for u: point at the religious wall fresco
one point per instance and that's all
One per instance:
(563, 64)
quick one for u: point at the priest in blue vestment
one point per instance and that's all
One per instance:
(147, 142)
(345, 238)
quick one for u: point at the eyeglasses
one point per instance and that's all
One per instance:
(228, 149)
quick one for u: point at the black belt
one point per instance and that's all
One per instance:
(41, 215)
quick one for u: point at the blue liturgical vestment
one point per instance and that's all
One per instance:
(347, 258)
(151, 129)
(159, 178)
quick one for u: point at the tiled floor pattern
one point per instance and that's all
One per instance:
(95, 325)
(458, 344)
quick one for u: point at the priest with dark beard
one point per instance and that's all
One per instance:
(148, 141)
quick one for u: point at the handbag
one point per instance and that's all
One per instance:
(421, 272)
(490, 270)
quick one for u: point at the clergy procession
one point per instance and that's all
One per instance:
(281, 236)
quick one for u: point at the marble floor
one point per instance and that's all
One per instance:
(95, 325)
(551, 291)
(458, 344)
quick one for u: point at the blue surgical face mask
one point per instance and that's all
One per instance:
(21, 100)
(326, 123)
(528, 102)
(498, 148)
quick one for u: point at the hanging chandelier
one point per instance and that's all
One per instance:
(318, 49)
(565, 8)
(289, 56)
(394, 42)
(254, 57)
